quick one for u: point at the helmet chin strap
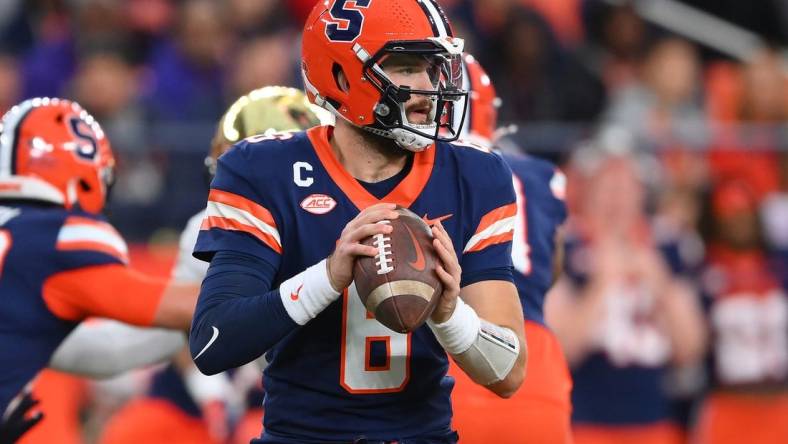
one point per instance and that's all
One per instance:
(411, 141)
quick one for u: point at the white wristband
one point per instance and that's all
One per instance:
(306, 294)
(460, 331)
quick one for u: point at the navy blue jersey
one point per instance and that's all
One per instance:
(36, 243)
(285, 200)
(540, 188)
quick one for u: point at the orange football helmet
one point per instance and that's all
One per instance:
(481, 105)
(354, 37)
(52, 150)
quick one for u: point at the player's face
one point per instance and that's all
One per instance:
(418, 73)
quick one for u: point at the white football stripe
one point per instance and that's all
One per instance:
(92, 233)
(500, 227)
(217, 209)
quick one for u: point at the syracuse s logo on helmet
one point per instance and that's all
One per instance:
(348, 21)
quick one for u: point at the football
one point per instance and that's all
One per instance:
(399, 285)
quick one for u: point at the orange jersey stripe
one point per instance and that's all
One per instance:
(242, 203)
(78, 220)
(492, 240)
(111, 291)
(229, 224)
(496, 215)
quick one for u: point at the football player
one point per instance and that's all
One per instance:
(286, 216)
(540, 410)
(60, 261)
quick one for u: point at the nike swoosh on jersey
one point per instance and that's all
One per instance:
(213, 339)
(419, 263)
(432, 222)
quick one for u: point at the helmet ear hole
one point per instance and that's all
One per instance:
(340, 78)
(84, 185)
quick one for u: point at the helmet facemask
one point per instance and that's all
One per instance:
(444, 66)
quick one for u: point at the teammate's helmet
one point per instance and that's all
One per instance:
(354, 37)
(481, 105)
(264, 111)
(52, 150)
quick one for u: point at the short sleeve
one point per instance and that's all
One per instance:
(85, 240)
(486, 254)
(237, 217)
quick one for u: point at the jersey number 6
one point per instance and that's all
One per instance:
(360, 332)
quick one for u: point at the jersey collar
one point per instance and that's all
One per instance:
(404, 194)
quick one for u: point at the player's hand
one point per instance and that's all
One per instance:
(449, 273)
(349, 246)
(17, 422)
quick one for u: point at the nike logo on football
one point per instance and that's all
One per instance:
(294, 295)
(432, 222)
(213, 339)
(419, 263)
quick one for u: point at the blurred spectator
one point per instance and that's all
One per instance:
(616, 39)
(108, 86)
(148, 16)
(620, 311)
(251, 17)
(748, 313)
(50, 62)
(187, 70)
(563, 15)
(662, 109)
(262, 61)
(774, 213)
(746, 150)
(10, 82)
(541, 81)
(16, 33)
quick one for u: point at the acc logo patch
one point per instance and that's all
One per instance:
(318, 203)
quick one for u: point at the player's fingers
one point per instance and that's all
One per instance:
(370, 216)
(447, 257)
(356, 249)
(367, 230)
(450, 284)
(440, 233)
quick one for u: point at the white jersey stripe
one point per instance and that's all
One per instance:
(502, 226)
(76, 233)
(216, 209)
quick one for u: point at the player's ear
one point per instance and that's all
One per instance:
(341, 78)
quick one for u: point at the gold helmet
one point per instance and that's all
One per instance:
(264, 111)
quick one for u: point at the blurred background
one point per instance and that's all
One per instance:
(692, 95)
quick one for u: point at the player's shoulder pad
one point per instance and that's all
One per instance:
(479, 162)
(262, 156)
(525, 166)
(85, 232)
